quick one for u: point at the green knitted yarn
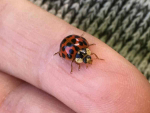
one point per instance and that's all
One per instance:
(124, 25)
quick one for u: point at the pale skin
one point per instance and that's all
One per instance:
(29, 36)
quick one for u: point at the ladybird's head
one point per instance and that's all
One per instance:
(87, 59)
(83, 55)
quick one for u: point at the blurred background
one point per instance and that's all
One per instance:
(124, 25)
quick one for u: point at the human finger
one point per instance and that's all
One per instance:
(17, 96)
(34, 36)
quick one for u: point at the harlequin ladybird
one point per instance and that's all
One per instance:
(75, 48)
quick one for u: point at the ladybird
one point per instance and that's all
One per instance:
(75, 48)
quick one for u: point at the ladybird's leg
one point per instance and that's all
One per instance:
(96, 56)
(56, 53)
(71, 66)
(92, 44)
(82, 34)
(78, 65)
(86, 66)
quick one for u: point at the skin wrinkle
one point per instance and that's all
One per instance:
(24, 38)
(68, 87)
(17, 106)
(45, 63)
(53, 100)
(20, 100)
(46, 56)
(2, 40)
(16, 53)
(12, 50)
(76, 91)
(42, 27)
(9, 93)
(16, 48)
(45, 60)
(18, 103)
(86, 96)
(27, 39)
(9, 105)
(3, 7)
(25, 47)
(9, 48)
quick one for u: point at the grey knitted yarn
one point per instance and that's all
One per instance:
(122, 24)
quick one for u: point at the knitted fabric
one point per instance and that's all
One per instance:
(124, 25)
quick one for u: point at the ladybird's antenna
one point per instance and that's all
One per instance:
(56, 53)
(96, 56)
(82, 34)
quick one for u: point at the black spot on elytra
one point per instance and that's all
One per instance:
(71, 51)
(63, 55)
(69, 56)
(81, 43)
(64, 40)
(69, 36)
(85, 42)
(76, 36)
(77, 48)
(63, 48)
(69, 44)
(73, 41)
